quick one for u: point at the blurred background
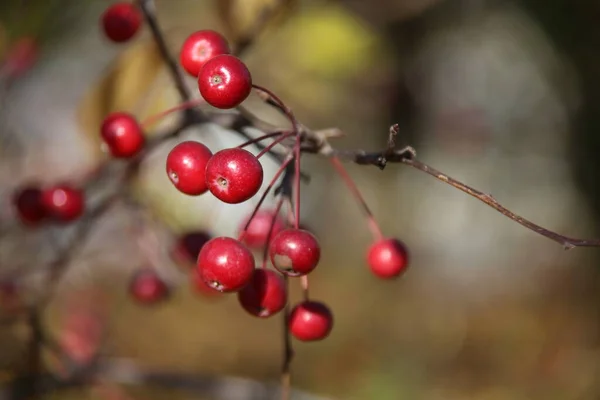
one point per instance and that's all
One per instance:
(502, 95)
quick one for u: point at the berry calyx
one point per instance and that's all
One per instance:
(63, 203)
(310, 321)
(188, 247)
(200, 287)
(186, 167)
(225, 264)
(265, 295)
(121, 21)
(29, 206)
(224, 81)
(146, 287)
(258, 230)
(387, 258)
(234, 175)
(199, 47)
(295, 252)
(122, 135)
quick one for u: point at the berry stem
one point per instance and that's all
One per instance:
(270, 234)
(183, 106)
(261, 138)
(373, 225)
(304, 285)
(275, 143)
(264, 196)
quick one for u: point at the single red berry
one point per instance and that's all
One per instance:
(234, 175)
(295, 252)
(310, 321)
(121, 21)
(200, 47)
(188, 246)
(21, 57)
(63, 203)
(258, 230)
(224, 81)
(122, 135)
(186, 167)
(388, 258)
(225, 264)
(265, 295)
(29, 206)
(146, 287)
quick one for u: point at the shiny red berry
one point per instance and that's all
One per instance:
(310, 321)
(122, 135)
(258, 230)
(121, 21)
(224, 81)
(388, 258)
(63, 203)
(146, 287)
(200, 47)
(29, 206)
(225, 264)
(295, 252)
(186, 167)
(188, 246)
(234, 175)
(265, 295)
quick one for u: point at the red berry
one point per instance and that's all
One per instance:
(63, 203)
(121, 21)
(200, 47)
(295, 252)
(234, 175)
(225, 264)
(29, 206)
(147, 287)
(186, 167)
(388, 258)
(259, 228)
(21, 56)
(265, 295)
(122, 134)
(224, 81)
(310, 321)
(189, 245)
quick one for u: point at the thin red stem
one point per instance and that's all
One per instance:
(275, 143)
(373, 225)
(183, 106)
(270, 234)
(261, 138)
(264, 196)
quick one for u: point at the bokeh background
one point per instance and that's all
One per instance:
(503, 95)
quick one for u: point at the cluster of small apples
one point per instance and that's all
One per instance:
(232, 175)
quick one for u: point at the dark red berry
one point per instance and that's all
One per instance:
(122, 135)
(234, 175)
(295, 252)
(224, 81)
(388, 258)
(200, 47)
(63, 203)
(29, 206)
(121, 21)
(147, 287)
(186, 167)
(265, 295)
(310, 321)
(225, 264)
(259, 228)
(188, 246)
